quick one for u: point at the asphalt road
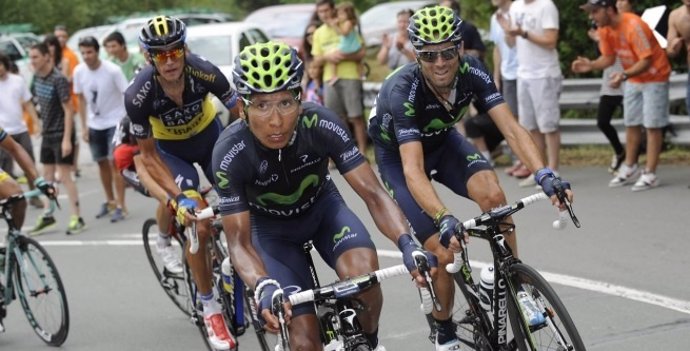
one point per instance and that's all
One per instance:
(623, 276)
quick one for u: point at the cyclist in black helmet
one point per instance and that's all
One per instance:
(175, 124)
(412, 126)
(276, 193)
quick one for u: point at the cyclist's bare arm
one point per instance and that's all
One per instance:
(387, 215)
(249, 266)
(147, 181)
(23, 159)
(155, 166)
(412, 157)
(518, 138)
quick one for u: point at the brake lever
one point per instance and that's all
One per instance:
(560, 194)
(423, 267)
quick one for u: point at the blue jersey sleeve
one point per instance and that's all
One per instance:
(484, 87)
(334, 136)
(230, 173)
(138, 104)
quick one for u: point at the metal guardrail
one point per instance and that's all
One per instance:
(584, 94)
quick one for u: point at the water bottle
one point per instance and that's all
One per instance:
(486, 287)
(226, 272)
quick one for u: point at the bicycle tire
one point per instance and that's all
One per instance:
(543, 338)
(172, 284)
(466, 318)
(41, 292)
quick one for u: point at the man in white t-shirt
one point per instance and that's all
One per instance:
(14, 99)
(100, 85)
(533, 30)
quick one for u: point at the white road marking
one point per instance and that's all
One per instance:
(560, 279)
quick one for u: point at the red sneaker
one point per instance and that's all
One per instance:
(218, 334)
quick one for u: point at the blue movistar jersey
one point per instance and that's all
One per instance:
(282, 183)
(153, 113)
(407, 110)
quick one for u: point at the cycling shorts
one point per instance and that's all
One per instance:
(330, 224)
(452, 165)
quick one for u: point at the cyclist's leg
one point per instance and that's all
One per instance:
(390, 168)
(279, 244)
(344, 243)
(187, 179)
(9, 187)
(478, 182)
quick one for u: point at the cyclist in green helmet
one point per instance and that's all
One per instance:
(276, 193)
(415, 140)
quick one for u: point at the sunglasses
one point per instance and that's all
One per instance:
(431, 56)
(163, 56)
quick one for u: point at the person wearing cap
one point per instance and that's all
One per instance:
(646, 71)
(415, 141)
(175, 124)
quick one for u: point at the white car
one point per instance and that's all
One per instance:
(382, 18)
(219, 43)
(16, 46)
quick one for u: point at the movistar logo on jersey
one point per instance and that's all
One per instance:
(289, 199)
(409, 109)
(310, 121)
(464, 68)
(342, 233)
(222, 180)
(439, 124)
(474, 157)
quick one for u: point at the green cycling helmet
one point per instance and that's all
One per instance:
(267, 68)
(434, 25)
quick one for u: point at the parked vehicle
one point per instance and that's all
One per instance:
(381, 19)
(16, 47)
(219, 43)
(284, 23)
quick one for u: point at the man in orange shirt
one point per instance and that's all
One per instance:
(646, 72)
(72, 59)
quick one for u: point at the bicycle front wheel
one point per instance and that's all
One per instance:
(557, 332)
(41, 292)
(173, 284)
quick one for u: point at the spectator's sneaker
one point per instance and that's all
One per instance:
(43, 224)
(218, 335)
(171, 259)
(380, 348)
(453, 345)
(2, 327)
(118, 215)
(646, 181)
(624, 176)
(527, 182)
(76, 225)
(530, 310)
(36, 202)
(106, 209)
(616, 162)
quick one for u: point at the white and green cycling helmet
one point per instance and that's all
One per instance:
(434, 25)
(267, 68)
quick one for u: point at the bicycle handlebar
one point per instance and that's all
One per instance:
(208, 212)
(492, 215)
(347, 287)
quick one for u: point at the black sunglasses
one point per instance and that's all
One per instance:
(431, 56)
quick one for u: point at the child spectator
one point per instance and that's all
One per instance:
(346, 24)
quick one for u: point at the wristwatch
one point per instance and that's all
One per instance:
(524, 34)
(625, 76)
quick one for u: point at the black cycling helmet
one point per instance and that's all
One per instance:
(267, 68)
(163, 33)
(434, 25)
